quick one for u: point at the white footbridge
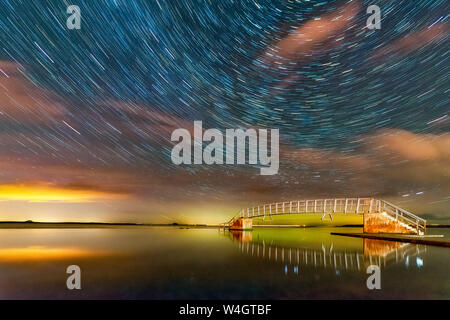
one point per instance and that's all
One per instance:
(328, 207)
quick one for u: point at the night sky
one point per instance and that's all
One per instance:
(86, 115)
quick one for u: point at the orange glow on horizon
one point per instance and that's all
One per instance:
(43, 253)
(42, 193)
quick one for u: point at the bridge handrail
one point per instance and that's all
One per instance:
(324, 204)
(412, 215)
(405, 216)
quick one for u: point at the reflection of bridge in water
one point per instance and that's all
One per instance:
(374, 252)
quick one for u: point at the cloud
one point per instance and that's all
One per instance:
(22, 101)
(300, 44)
(384, 147)
(306, 42)
(408, 146)
(135, 121)
(25, 104)
(384, 162)
(412, 42)
(321, 159)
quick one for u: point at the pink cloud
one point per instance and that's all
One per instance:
(22, 101)
(300, 44)
(412, 42)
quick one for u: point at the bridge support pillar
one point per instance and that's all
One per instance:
(242, 224)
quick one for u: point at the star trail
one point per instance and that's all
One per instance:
(358, 110)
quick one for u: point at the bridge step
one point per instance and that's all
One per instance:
(383, 223)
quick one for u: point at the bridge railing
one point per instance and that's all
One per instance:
(402, 215)
(334, 205)
(331, 258)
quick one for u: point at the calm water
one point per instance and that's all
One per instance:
(173, 263)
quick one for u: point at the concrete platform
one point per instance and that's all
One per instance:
(399, 238)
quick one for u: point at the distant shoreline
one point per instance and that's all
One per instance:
(63, 225)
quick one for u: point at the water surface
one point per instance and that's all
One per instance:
(175, 263)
